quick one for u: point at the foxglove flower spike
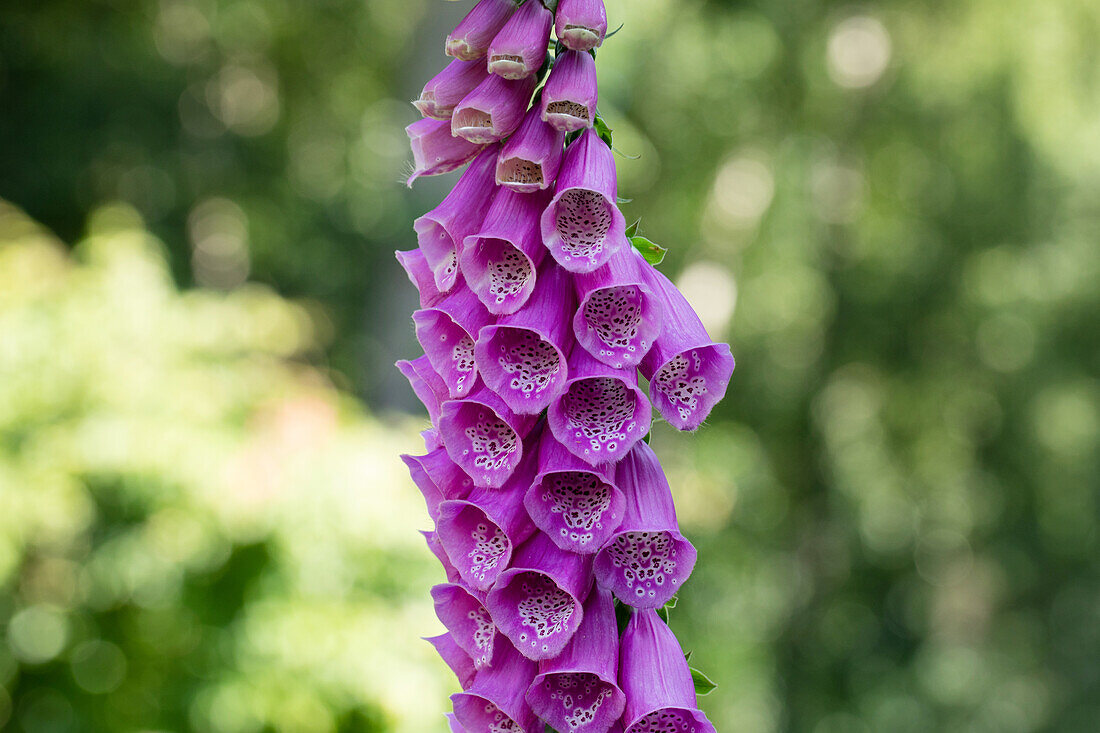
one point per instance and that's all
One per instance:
(530, 159)
(518, 50)
(435, 150)
(471, 37)
(619, 318)
(581, 24)
(570, 96)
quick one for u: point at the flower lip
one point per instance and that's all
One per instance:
(493, 110)
(436, 151)
(455, 658)
(581, 24)
(519, 48)
(448, 87)
(438, 479)
(427, 385)
(531, 157)
(484, 436)
(420, 275)
(467, 621)
(494, 703)
(570, 95)
(471, 37)
(446, 332)
(436, 549)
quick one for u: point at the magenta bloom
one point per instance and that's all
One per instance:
(500, 260)
(582, 227)
(494, 703)
(618, 318)
(493, 110)
(428, 386)
(602, 413)
(660, 695)
(570, 96)
(647, 559)
(530, 159)
(536, 603)
(438, 478)
(452, 721)
(440, 232)
(471, 37)
(688, 373)
(467, 622)
(577, 506)
(447, 88)
(446, 332)
(455, 657)
(577, 690)
(523, 356)
(437, 549)
(484, 436)
(420, 275)
(581, 24)
(518, 50)
(435, 150)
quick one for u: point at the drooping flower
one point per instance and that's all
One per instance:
(518, 50)
(583, 227)
(435, 150)
(601, 413)
(471, 37)
(581, 24)
(570, 96)
(688, 373)
(523, 356)
(619, 318)
(576, 505)
(531, 157)
(647, 559)
(440, 232)
(455, 658)
(495, 703)
(493, 110)
(463, 613)
(501, 259)
(484, 436)
(536, 603)
(446, 332)
(660, 694)
(447, 88)
(577, 691)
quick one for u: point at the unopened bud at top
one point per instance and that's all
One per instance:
(471, 37)
(581, 24)
(519, 49)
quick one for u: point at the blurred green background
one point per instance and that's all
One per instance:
(891, 210)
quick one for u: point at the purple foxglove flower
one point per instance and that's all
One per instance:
(530, 159)
(455, 658)
(523, 356)
(484, 436)
(499, 262)
(493, 110)
(440, 232)
(420, 275)
(436, 150)
(438, 478)
(519, 48)
(577, 506)
(448, 87)
(570, 96)
(647, 560)
(582, 227)
(687, 372)
(480, 532)
(452, 721)
(581, 24)
(428, 386)
(660, 695)
(577, 690)
(471, 37)
(494, 703)
(469, 624)
(446, 332)
(601, 413)
(618, 318)
(437, 549)
(536, 603)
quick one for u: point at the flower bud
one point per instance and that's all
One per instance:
(531, 157)
(449, 87)
(493, 110)
(570, 96)
(581, 24)
(471, 37)
(519, 49)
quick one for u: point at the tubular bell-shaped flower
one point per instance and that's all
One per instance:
(523, 357)
(447, 88)
(530, 159)
(618, 318)
(455, 657)
(471, 37)
(435, 150)
(480, 532)
(438, 478)
(467, 621)
(660, 694)
(427, 385)
(582, 227)
(601, 413)
(647, 560)
(577, 690)
(440, 232)
(519, 49)
(581, 24)
(436, 549)
(577, 506)
(484, 436)
(420, 275)
(536, 603)
(493, 110)
(501, 259)
(494, 703)
(570, 96)
(446, 332)
(688, 373)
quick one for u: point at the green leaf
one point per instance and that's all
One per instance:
(653, 253)
(664, 611)
(603, 130)
(632, 229)
(647, 437)
(703, 684)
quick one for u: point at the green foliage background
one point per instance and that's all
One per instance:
(890, 210)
